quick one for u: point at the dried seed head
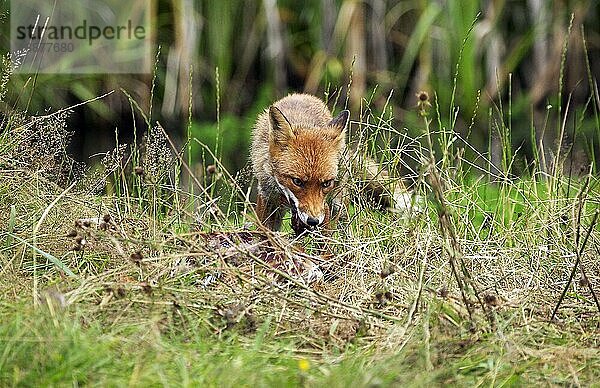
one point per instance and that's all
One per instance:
(423, 103)
(584, 282)
(490, 299)
(443, 292)
(139, 171)
(106, 218)
(136, 257)
(146, 288)
(387, 271)
(72, 233)
(120, 292)
(383, 296)
(211, 169)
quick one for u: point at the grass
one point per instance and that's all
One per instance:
(50, 347)
(142, 272)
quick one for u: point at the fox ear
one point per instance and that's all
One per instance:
(340, 122)
(281, 128)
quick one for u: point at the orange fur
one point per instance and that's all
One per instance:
(296, 149)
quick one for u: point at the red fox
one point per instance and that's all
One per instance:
(296, 150)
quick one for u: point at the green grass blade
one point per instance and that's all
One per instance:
(48, 256)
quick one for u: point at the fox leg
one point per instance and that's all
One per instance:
(269, 212)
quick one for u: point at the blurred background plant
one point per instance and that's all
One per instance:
(493, 66)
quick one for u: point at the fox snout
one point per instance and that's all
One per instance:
(310, 208)
(311, 220)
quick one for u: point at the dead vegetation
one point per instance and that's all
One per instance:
(147, 251)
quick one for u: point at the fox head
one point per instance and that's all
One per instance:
(305, 162)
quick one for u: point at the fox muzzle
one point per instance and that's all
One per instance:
(309, 220)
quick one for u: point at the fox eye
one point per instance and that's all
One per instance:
(327, 184)
(298, 182)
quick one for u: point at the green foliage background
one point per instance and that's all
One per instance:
(236, 57)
